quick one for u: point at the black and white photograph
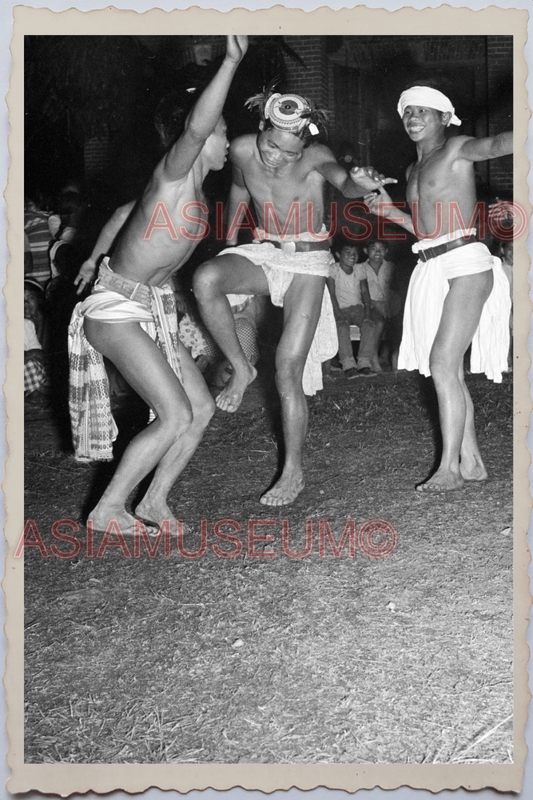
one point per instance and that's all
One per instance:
(269, 379)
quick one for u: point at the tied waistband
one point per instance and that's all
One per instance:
(132, 290)
(440, 249)
(297, 247)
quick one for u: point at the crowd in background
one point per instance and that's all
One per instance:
(60, 230)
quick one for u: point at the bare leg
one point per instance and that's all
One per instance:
(302, 306)
(212, 282)
(145, 368)
(460, 317)
(471, 463)
(153, 506)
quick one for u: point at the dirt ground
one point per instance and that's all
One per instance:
(399, 652)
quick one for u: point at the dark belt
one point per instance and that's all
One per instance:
(440, 249)
(300, 247)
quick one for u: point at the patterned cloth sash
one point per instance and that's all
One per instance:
(114, 299)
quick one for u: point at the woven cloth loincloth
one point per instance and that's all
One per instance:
(427, 291)
(114, 299)
(280, 265)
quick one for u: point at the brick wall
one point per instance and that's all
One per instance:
(312, 81)
(96, 156)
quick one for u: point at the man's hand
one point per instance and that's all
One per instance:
(236, 47)
(368, 178)
(379, 202)
(85, 275)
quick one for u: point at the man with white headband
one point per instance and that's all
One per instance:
(284, 171)
(457, 295)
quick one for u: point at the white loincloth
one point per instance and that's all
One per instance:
(427, 291)
(280, 265)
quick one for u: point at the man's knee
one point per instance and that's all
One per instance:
(176, 422)
(442, 368)
(203, 413)
(289, 372)
(206, 278)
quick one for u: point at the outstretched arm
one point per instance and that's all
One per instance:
(489, 147)
(103, 244)
(207, 111)
(359, 181)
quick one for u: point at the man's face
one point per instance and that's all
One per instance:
(507, 253)
(348, 258)
(421, 122)
(216, 146)
(278, 148)
(31, 305)
(377, 252)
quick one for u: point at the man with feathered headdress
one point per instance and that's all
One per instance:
(458, 294)
(283, 170)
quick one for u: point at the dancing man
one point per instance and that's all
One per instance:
(130, 318)
(457, 294)
(283, 170)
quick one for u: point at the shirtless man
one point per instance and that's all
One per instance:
(284, 173)
(132, 307)
(455, 295)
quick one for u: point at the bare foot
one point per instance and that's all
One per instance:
(231, 396)
(284, 491)
(442, 481)
(153, 514)
(473, 470)
(126, 524)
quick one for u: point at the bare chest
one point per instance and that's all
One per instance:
(293, 191)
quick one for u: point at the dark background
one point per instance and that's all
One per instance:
(90, 100)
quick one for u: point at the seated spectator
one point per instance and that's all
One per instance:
(350, 309)
(376, 276)
(64, 227)
(28, 258)
(36, 384)
(36, 228)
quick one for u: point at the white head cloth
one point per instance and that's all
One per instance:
(425, 96)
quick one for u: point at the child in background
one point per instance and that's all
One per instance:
(375, 277)
(35, 377)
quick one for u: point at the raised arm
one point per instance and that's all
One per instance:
(487, 148)
(207, 111)
(103, 244)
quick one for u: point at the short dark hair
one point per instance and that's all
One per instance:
(341, 242)
(375, 240)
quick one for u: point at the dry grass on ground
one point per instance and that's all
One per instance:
(404, 659)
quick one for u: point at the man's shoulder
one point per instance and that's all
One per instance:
(243, 145)
(454, 144)
(318, 153)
